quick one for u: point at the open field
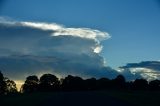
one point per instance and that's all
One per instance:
(91, 98)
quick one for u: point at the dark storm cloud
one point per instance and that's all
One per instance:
(18, 67)
(155, 65)
(35, 48)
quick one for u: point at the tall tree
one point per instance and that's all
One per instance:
(10, 86)
(49, 82)
(119, 82)
(140, 84)
(154, 85)
(103, 83)
(31, 84)
(73, 83)
(2, 84)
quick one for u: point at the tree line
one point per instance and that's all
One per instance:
(49, 82)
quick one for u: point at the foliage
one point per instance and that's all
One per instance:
(49, 82)
(31, 84)
(7, 86)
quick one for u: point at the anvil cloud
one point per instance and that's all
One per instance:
(38, 47)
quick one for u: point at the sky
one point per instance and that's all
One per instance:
(128, 30)
(133, 24)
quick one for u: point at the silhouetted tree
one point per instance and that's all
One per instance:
(154, 85)
(49, 82)
(31, 84)
(10, 86)
(119, 82)
(91, 84)
(7, 86)
(129, 85)
(103, 83)
(140, 84)
(72, 83)
(2, 84)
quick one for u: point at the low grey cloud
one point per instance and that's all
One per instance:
(149, 70)
(36, 48)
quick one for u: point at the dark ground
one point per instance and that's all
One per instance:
(92, 98)
(84, 99)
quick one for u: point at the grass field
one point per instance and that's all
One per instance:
(91, 98)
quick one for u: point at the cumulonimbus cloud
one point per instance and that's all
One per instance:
(61, 30)
(38, 47)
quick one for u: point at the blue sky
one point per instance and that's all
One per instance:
(133, 24)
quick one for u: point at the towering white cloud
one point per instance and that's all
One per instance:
(61, 30)
(38, 47)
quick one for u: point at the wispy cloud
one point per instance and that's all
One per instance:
(62, 30)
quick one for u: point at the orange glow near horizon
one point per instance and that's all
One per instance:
(19, 83)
